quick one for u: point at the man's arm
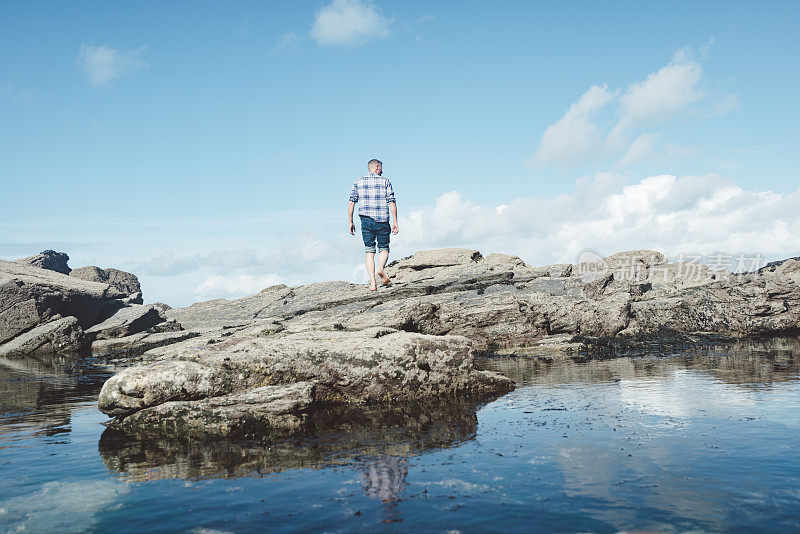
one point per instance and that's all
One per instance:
(350, 207)
(393, 209)
(353, 200)
(392, 205)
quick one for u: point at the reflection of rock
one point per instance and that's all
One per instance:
(37, 390)
(334, 436)
(745, 362)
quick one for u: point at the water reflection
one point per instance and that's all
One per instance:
(376, 440)
(752, 363)
(38, 391)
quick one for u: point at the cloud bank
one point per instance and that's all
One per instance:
(675, 215)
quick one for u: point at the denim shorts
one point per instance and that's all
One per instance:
(372, 230)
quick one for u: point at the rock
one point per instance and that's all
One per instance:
(58, 336)
(445, 257)
(259, 411)
(50, 260)
(137, 344)
(374, 365)
(124, 321)
(415, 339)
(126, 283)
(143, 386)
(30, 296)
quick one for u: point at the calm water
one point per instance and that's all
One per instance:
(702, 439)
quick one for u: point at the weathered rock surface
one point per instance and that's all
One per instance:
(126, 283)
(125, 321)
(38, 298)
(374, 365)
(271, 410)
(137, 344)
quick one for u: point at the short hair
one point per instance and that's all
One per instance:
(372, 162)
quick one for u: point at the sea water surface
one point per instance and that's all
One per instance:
(690, 439)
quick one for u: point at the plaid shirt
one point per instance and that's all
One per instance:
(375, 194)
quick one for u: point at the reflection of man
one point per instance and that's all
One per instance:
(385, 477)
(376, 196)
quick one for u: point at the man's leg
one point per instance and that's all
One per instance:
(382, 236)
(382, 257)
(371, 271)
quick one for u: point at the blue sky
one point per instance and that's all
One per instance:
(209, 146)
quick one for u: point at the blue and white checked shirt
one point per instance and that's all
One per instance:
(375, 192)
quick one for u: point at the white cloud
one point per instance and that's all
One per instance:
(102, 65)
(587, 135)
(348, 23)
(662, 95)
(690, 214)
(575, 137)
(243, 284)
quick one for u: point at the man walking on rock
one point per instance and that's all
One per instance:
(377, 197)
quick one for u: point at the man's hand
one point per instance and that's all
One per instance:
(395, 228)
(353, 228)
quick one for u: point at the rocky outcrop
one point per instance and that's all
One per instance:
(48, 259)
(415, 338)
(45, 307)
(126, 283)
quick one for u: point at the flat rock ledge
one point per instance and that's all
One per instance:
(270, 382)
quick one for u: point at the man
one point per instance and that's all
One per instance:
(377, 197)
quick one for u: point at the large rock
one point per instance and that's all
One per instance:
(50, 260)
(270, 410)
(126, 283)
(375, 365)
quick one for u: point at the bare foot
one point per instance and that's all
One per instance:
(373, 286)
(384, 278)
